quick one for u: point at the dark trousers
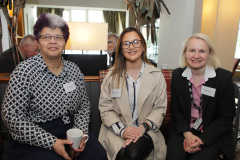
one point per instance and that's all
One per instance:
(18, 151)
(136, 151)
(175, 150)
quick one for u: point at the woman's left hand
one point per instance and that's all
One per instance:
(81, 147)
(191, 143)
(193, 148)
(131, 133)
(127, 142)
(137, 131)
(140, 132)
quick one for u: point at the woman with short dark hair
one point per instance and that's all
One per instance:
(45, 97)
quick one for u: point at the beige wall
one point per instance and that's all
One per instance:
(219, 19)
(220, 22)
(185, 19)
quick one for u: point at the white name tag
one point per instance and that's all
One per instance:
(208, 91)
(116, 93)
(197, 124)
(69, 87)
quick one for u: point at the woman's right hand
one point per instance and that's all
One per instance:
(59, 148)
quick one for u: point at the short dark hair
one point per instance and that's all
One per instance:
(52, 21)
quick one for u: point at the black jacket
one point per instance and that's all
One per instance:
(7, 64)
(218, 111)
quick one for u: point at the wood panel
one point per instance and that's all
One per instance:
(4, 78)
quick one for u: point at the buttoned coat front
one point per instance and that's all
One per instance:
(152, 105)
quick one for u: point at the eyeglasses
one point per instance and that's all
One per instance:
(49, 37)
(136, 44)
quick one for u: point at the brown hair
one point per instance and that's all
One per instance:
(119, 66)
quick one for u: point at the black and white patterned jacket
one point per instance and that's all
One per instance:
(36, 95)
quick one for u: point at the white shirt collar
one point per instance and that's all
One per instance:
(209, 73)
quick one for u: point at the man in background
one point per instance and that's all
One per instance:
(28, 47)
(112, 43)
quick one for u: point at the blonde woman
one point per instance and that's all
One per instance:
(202, 104)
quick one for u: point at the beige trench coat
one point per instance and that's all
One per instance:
(152, 105)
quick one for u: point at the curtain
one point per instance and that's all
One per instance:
(113, 20)
(123, 19)
(41, 10)
(111, 17)
(57, 11)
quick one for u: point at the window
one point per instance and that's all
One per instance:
(66, 16)
(95, 16)
(152, 49)
(78, 16)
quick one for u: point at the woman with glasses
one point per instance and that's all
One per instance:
(45, 97)
(133, 103)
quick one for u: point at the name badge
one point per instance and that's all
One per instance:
(208, 91)
(69, 87)
(197, 124)
(116, 93)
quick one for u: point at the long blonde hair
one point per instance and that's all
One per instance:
(213, 60)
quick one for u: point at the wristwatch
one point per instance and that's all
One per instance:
(146, 126)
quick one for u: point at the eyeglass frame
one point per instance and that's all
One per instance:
(132, 43)
(52, 36)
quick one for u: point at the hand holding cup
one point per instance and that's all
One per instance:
(75, 135)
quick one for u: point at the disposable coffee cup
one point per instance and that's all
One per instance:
(75, 135)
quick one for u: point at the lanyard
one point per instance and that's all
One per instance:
(191, 96)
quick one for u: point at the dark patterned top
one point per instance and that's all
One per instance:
(34, 94)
